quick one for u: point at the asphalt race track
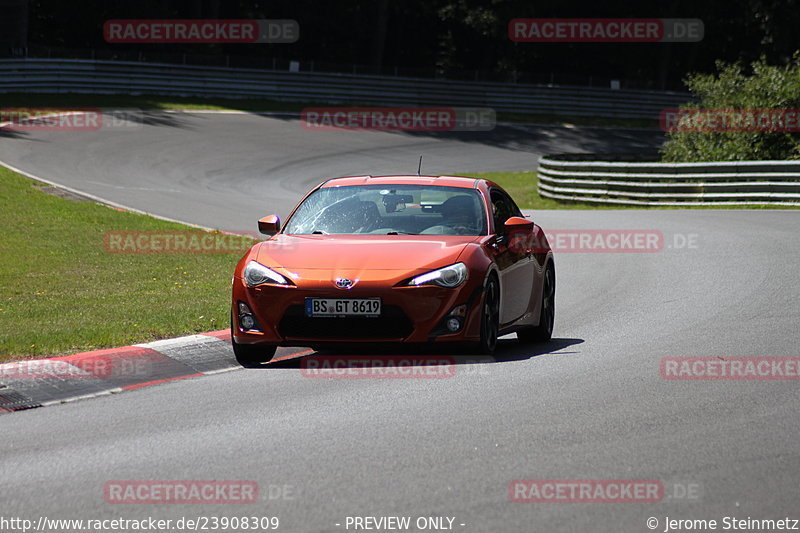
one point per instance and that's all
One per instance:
(592, 404)
(227, 171)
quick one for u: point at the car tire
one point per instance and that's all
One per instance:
(252, 355)
(544, 331)
(490, 317)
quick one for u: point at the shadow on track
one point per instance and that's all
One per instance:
(507, 350)
(524, 137)
(158, 118)
(10, 133)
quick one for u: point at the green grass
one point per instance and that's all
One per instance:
(156, 102)
(523, 187)
(61, 292)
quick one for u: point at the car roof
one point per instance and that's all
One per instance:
(444, 181)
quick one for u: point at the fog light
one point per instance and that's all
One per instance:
(247, 321)
(453, 324)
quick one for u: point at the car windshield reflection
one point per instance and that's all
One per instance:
(390, 210)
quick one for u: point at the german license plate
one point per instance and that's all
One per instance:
(339, 307)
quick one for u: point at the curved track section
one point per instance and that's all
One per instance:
(228, 170)
(590, 405)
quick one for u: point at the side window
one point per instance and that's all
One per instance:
(503, 208)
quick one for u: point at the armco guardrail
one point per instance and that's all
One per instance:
(639, 179)
(121, 77)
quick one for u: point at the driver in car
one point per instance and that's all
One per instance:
(458, 217)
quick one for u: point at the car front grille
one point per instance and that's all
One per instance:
(392, 324)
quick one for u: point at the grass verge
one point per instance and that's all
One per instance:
(524, 189)
(61, 292)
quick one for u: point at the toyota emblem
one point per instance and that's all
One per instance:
(344, 283)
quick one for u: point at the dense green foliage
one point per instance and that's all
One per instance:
(746, 94)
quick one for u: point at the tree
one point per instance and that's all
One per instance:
(737, 101)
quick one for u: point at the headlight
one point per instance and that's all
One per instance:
(257, 274)
(449, 276)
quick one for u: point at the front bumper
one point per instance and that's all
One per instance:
(409, 314)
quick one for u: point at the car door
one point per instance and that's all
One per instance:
(516, 265)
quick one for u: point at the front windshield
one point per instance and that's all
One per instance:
(390, 210)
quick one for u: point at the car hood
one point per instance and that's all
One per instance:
(361, 252)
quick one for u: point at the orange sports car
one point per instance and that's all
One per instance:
(394, 259)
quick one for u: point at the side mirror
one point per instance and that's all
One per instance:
(269, 225)
(517, 225)
(518, 233)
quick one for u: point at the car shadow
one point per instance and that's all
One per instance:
(508, 350)
(11, 133)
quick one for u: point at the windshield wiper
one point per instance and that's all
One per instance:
(319, 232)
(400, 233)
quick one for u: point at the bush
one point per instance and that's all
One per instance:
(764, 87)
